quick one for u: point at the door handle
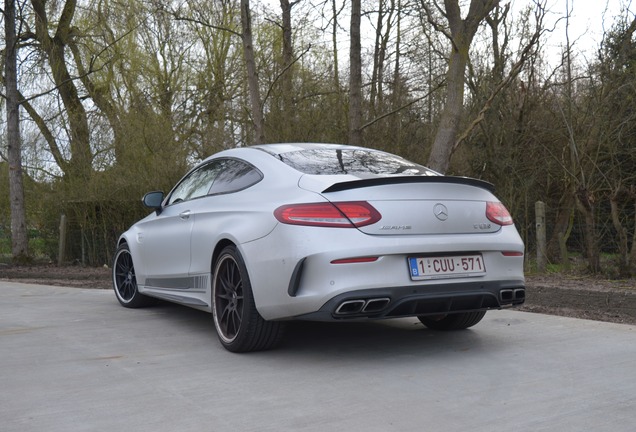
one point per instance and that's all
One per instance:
(185, 215)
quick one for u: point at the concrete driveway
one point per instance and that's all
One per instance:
(74, 360)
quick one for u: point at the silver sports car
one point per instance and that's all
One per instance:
(265, 234)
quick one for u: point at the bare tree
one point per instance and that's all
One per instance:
(462, 32)
(501, 82)
(252, 75)
(355, 76)
(383, 29)
(54, 47)
(334, 41)
(616, 167)
(19, 240)
(580, 184)
(287, 77)
(288, 50)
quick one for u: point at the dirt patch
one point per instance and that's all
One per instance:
(582, 297)
(555, 294)
(72, 276)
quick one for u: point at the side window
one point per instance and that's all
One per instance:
(217, 177)
(235, 175)
(197, 183)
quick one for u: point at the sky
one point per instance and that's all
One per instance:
(588, 21)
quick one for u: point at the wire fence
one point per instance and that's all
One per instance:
(92, 230)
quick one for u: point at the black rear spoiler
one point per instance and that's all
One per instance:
(379, 181)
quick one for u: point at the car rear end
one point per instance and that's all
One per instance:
(388, 246)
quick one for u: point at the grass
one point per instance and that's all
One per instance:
(579, 267)
(40, 248)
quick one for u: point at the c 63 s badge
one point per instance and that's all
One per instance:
(482, 226)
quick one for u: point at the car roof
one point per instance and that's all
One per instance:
(276, 149)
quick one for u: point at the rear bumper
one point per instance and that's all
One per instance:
(408, 301)
(293, 274)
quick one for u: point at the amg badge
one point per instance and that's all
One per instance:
(395, 227)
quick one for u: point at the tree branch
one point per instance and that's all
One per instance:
(514, 72)
(271, 87)
(430, 19)
(406, 105)
(207, 24)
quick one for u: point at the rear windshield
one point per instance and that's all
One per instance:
(355, 162)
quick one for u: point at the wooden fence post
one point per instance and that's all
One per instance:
(539, 210)
(62, 244)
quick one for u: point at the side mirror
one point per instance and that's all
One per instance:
(153, 200)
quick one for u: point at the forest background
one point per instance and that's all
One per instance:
(116, 98)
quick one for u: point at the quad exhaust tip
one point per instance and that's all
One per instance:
(350, 307)
(375, 305)
(506, 295)
(362, 306)
(517, 295)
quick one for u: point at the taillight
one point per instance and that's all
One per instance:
(338, 215)
(354, 260)
(498, 213)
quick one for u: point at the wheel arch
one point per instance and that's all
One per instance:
(239, 325)
(222, 244)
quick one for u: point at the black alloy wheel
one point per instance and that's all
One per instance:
(124, 279)
(238, 324)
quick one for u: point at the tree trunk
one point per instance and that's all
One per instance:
(621, 232)
(355, 77)
(632, 256)
(252, 75)
(102, 99)
(397, 79)
(376, 58)
(19, 239)
(334, 42)
(439, 159)
(80, 167)
(462, 32)
(562, 227)
(585, 203)
(287, 78)
(384, 30)
(340, 96)
(494, 21)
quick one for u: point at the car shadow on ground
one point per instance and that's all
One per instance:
(354, 340)
(405, 337)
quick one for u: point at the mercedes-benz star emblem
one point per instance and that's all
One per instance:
(440, 211)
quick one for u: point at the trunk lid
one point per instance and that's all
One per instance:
(430, 205)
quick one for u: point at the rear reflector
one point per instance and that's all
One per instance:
(498, 213)
(512, 253)
(354, 260)
(337, 215)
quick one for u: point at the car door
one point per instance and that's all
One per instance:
(166, 238)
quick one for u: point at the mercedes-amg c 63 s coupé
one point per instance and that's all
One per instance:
(266, 234)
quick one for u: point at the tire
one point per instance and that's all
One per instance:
(458, 321)
(125, 281)
(238, 324)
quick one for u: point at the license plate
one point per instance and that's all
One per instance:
(442, 267)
